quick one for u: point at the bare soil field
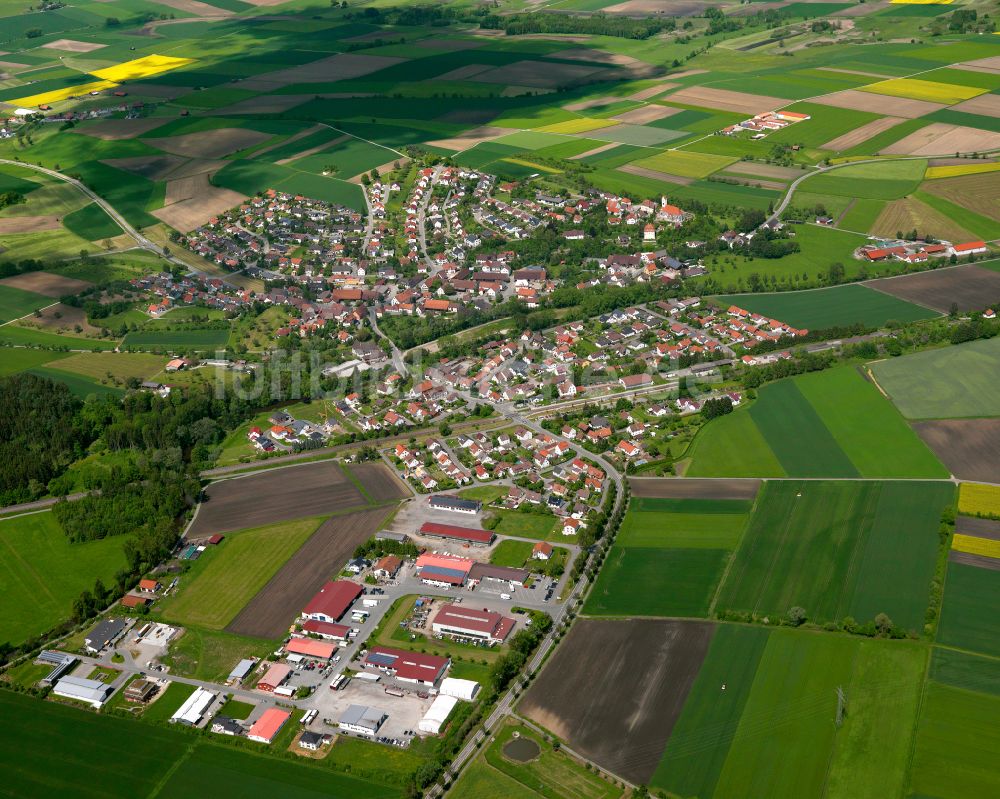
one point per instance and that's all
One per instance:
(941, 139)
(46, 283)
(464, 73)
(342, 66)
(445, 44)
(911, 214)
(73, 46)
(192, 201)
(380, 482)
(470, 138)
(976, 192)
(28, 224)
(598, 57)
(969, 448)
(979, 561)
(636, 675)
(986, 104)
(653, 91)
(609, 146)
(210, 143)
(970, 286)
(862, 134)
(981, 528)
(321, 557)
(763, 170)
(265, 104)
(275, 495)
(69, 317)
(151, 167)
(992, 63)
(726, 100)
(649, 113)
(694, 488)
(537, 74)
(118, 129)
(878, 103)
(643, 8)
(642, 171)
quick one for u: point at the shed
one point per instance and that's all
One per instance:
(437, 714)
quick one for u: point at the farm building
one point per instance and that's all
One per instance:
(275, 676)
(502, 574)
(332, 601)
(437, 714)
(326, 630)
(93, 692)
(454, 504)
(141, 691)
(310, 648)
(483, 625)
(443, 570)
(136, 601)
(387, 568)
(60, 663)
(268, 725)
(460, 689)
(241, 671)
(194, 708)
(454, 533)
(105, 634)
(407, 666)
(362, 719)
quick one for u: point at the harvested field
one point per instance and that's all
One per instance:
(783, 173)
(196, 8)
(912, 214)
(986, 104)
(693, 488)
(192, 201)
(941, 139)
(977, 193)
(598, 57)
(992, 64)
(380, 482)
(637, 675)
(644, 8)
(878, 103)
(151, 167)
(595, 151)
(28, 224)
(464, 73)
(862, 134)
(322, 556)
(265, 104)
(210, 143)
(118, 129)
(46, 283)
(632, 169)
(726, 100)
(537, 74)
(969, 448)
(73, 46)
(978, 561)
(649, 113)
(470, 138)
(275, 495)
(653, 91)
(971, 287)
(343, 66)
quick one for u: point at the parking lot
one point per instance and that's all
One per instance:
(404, 711)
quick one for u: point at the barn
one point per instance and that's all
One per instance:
(332, 601)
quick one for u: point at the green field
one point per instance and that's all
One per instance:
(888, 180)
(685, 163)
(112, 365)
(953, 382)
(839, 549)
(17, 360)
(970, 617)
(27, 336)
(41, 573)
(511, 553)
(226, 577)
(188, 338)
(79, 385)
(15, 303)
(823, 424)
(838, 306)
(529, 525)
(91, 223)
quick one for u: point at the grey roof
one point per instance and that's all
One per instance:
(362, 716)
(104, 633)
(242, 669)
(81, 688)
(310, 737)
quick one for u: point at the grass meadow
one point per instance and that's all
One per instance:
(13, 360)
(970, 616)
(15, 303)
(41, 573)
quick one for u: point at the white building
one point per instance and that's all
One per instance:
(460, 689)
(93, 692)
(194, 708)
(437, 714)
(362, 719)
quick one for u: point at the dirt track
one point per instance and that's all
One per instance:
(972, 287)
(694, 488)
(635, 677)
(969, 448)
(294, 492)
(271, 611)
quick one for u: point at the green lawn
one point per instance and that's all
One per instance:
(840, 549)
(17, 360)
(952, 382)
(228, 576)
(15, 303)
(838, 306)
(511, 553)
(529, 525)
(970, 617)
(41, 573)
(188, 338)
(168, 701)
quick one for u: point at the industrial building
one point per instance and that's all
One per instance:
(241, 671)
(59, 661)
(463, 622)
(268, 725)
(406, 666)
(502, 574)
(194, 708)
(276, 675)
(460, 689)
(362, 719)
(310, 648)
(105, 634)
(93, 692)
(443, 571)
(326, 630)
(451, 532)
(454, 504)
(332, 601)
(437, 714)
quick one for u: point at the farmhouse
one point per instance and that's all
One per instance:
(268, 725)
(387, 567)
(454, 504)
(105, 634)
(463, 622)
(541, 551)
(275, 676)
(362, 720)
(92, 692)
(135, 601)
(194, 708)
(407, 666)
(332, 601)
(307, 647)
(443, 571)
(452, 532)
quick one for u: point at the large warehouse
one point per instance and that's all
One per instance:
(362, 719)
(268, 725)
(194, 708)
(443, 571)
(483, 625)
(407, 666)
(451, 532)
(332, 601)
(454, 504)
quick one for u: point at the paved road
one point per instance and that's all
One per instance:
(40, 504)
(398, 363)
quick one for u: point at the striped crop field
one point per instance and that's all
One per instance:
(958, 170)
(929, 90)
(987, 547)
(577, 125)
(976, 500)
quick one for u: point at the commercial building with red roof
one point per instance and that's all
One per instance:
(332, 601)
(268, 725)
(324, 629)
(443, 570)
(456, 533)
(309, 647)
(407, 666)
(276, 675)
(465, 622)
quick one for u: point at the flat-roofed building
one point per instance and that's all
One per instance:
(482, 625)
(141, 691)
(362, 720)
(93, 692)
(194, 708)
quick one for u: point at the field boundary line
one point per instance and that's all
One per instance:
(174, 767)
(357, 483)
(732, 555)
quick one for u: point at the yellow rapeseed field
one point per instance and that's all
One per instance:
(577, 125)
(974, 499)
(976, 546)
(47, 98)
(957, 170)
(929, 90)
(141, 68)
